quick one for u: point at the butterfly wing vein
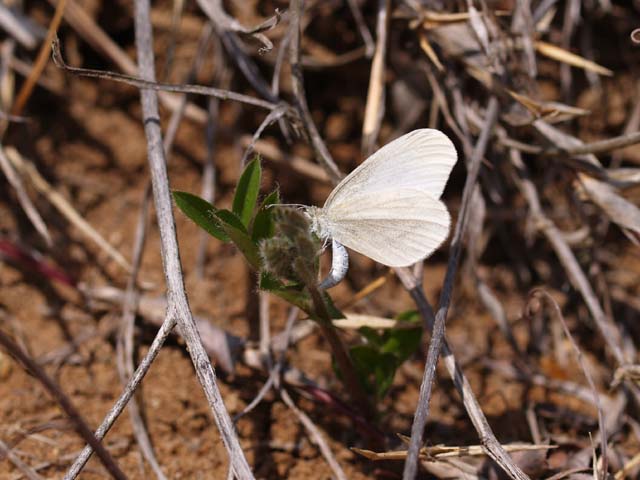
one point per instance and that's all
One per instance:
(388, 208)
(394, 227)
(421, 159)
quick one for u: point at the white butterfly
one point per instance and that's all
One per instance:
(389, 208)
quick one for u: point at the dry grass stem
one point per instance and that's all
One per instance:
(537, 287)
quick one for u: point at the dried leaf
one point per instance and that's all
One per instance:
(562, 55)
(428, 50)
(619, 210)
(479, 28)
(624, 177)
(438, 452)
(355, 320)
(552, 112)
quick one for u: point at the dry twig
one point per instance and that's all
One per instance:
(125, 343)
(65, 403)
(322, 153)
(30, 171)
(178, 308)
(541, 294)
(437, 337)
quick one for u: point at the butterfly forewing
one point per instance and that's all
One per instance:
(420, 160)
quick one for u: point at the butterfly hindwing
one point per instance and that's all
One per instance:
(396, 227)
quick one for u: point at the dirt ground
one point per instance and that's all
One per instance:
(86, 138)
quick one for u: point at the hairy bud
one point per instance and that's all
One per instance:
(292, 253)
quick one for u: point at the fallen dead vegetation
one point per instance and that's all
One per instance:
(537, 286)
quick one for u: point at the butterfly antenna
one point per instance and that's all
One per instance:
(295, 205)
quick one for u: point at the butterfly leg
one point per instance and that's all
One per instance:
(339, 266)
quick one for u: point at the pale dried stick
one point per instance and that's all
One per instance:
(570, 21)
(374, 109)
(178, 113)
(265, 328)
(275, 371)
(439, 452)
(320, 149)
(566, 152)
(40, 62)
(362, 27)
(65, 403)
(129, 390)
(494, 449)
(542, 9)
(439, 95)
(522, 24)
(176, 16)
(275, 115)
(480, 423)
(177, 307)
(208, 189)
(125, 344)
(95, 36)
(437, 335)
(67, 210)
(283, 48)
(600, 146)
(298, 165)
(607, 328)
(172, 129)
(143, 84)
(496, 310)
(556, 313)
(26, 470)
(20, 27)
(175, 284)
(25, 202)
(226, 28)
(225, 23)
(23, 68)
(222, 76)
(315, 435)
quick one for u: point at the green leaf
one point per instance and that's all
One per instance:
(364, 359)
(269, 282)
(201, 212)
(372, 336)
(402, 343)
(246, 196)
(376, 370)
(410, 316)
(231, 219)
(384, 373)
(334, 312)
(238, 235)
(263, 224)
(382, 353)
(291, 293)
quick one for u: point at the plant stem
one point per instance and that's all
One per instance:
(351, 380)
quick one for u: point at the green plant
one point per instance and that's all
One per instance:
(252, 227)
(381, 354)
(277, 243)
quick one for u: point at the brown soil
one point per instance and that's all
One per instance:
(87, 139)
